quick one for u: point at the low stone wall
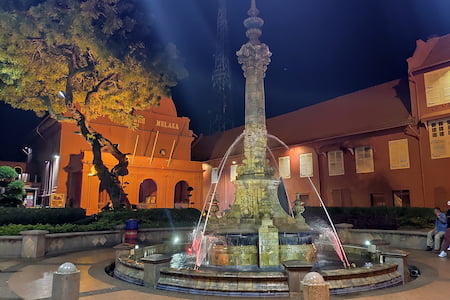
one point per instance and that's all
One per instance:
(38, 243)
(10, 246)
(58, 243)
(395, 238)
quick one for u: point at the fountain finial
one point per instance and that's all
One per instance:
(253, 23)
(253, 11)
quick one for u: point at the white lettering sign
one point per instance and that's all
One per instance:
(165, 124)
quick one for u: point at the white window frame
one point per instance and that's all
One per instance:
(284, 164)
(214, 175)
(336, 163)
(439, 134)
(306, 165)
(364, 159)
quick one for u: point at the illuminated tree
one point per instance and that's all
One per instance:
(80, 59)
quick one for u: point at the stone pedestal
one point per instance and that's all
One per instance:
(123, 249)
(66, 283)
(314, 287)
(400, 258)
(269, 251)
(296, 271)
(152, 265)
(33, 243)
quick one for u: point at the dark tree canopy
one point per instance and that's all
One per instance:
(81, 59)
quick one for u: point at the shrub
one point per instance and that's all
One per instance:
(375, 217)
(32, 216)
(157, 217)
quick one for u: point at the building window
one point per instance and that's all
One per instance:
(306, 165)
(364, 159)
(439, 133)
(233, 172)
(214, 175)
(335, 163)
(341, 198)
(398, 154)
(284, 163)
(377, 199)
(437, 87)
(401, 198)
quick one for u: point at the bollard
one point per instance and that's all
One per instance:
(66, 282)
(314, 287)
(131, 231)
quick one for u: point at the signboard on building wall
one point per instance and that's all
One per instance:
(57, 200)
(437, 86)
(306, 165)
(284, 164)
(399, 154)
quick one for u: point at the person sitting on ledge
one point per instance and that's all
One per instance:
(438, 232)
(446, 243)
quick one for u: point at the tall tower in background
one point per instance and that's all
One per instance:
(221, 117)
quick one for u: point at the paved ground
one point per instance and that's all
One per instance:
(32, 279)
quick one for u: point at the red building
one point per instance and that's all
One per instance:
(387, 145)
(161, 173)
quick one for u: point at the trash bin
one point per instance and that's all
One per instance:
(131, 230)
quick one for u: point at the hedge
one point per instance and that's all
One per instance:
(32, 216)
(375, 217)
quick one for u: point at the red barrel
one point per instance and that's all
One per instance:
(131, 231)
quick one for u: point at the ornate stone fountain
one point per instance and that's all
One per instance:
(256, 215)
(256, 248)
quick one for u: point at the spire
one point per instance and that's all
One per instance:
(253, 23)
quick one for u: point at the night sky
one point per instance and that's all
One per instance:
(321, 49)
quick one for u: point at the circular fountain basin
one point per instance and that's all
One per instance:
(251, 281)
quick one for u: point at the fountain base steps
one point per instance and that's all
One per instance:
(257, 283)
(238, 284)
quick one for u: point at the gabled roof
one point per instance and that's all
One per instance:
(434, 52)
(373, 109)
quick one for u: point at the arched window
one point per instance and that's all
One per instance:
(18, 170)
(147, 194)
(181, 195)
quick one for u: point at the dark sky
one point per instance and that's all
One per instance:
(321, 49)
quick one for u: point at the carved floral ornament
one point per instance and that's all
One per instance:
(254, 57)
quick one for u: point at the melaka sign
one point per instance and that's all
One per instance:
(165, 124)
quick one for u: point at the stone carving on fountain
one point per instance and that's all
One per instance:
(256, 186)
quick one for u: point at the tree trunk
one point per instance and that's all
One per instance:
(109, 178)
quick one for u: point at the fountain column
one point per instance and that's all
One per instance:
(254, 57)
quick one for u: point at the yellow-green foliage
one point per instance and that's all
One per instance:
(38, 45)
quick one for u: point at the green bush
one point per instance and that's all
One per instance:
(375, 217)
(57, 220)
(157, 217)
(32, 216)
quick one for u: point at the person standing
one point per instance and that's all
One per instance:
(446, 243)
(435, 236)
